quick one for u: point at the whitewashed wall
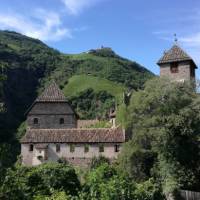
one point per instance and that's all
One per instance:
(31, 158)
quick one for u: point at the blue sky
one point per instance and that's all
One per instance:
(139, 30)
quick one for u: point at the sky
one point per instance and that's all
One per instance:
(140, 30)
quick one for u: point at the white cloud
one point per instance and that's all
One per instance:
(191, 40)
(41, 24)
(76, 6)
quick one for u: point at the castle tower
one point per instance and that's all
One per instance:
(51, 110)
(177, 65)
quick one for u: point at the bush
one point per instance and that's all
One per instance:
(26, 182)
(98, 161)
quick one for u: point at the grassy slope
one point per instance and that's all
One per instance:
(79, 83)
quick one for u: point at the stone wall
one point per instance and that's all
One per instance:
(51, 108)
(49, 115)
(51, 121)
(183, 71)
(78, 157)
(27, 156)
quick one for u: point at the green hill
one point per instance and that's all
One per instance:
(27, 65)
(79, 83)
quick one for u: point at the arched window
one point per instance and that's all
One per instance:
(35, 120)
(61, 120)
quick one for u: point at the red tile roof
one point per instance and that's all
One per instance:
(101, 135)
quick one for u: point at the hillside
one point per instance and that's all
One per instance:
(79, 83)
(27, 65)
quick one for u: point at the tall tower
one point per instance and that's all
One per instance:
(177, 65)
(51, 110)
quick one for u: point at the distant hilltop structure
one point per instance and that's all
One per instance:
(177, 65)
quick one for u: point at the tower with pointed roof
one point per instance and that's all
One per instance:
(177, 65)
(51, 110)
(52, 134)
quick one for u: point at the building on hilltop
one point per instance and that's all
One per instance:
(52, 133)
(177, 65)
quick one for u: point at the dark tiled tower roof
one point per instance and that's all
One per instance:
(175, 54)
(52, 94)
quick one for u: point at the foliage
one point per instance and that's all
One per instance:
(21, 130)
(165, 123)
(103, 183)
(98, 161)
(91, 105)
(121, 116)
(148, 190)
(55, 196)
(25, 182)
(101, 124)
(79, 83)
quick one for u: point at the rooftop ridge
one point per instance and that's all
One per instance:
(76, 129)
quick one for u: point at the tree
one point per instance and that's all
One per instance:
(165, 123)
(25, 182)
(104, 183)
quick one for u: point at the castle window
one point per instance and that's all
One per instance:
(72, 148)
(192, 71)
(35, 120)
(31, 147)
(174, 67)
(116, 148)
(86, 148)
(57, 147)
(61, 120)
(101, 148)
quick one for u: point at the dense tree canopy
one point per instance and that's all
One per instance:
(26, 182)
(164, 119)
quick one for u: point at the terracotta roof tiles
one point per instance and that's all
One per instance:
(174, 54)
(101, 135)
(52, 94)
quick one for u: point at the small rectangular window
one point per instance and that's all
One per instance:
(35, 120)
(192, 71)
(174, 67)
(101, 148)
(31, 147)
(62, 121)
(117, 148)
(72, 148)
(45, 154)
(57, 147)
(86, 148)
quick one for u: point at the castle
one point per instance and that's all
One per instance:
(52, 131)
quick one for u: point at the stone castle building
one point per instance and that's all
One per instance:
(177, 65)
(52, 133)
